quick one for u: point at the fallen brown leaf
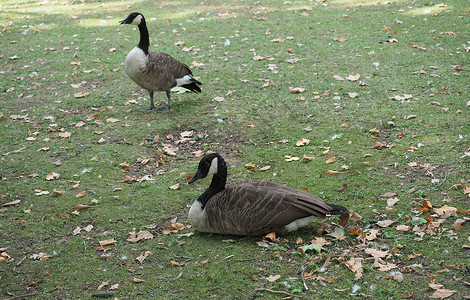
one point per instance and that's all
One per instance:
(134, 237)
(83, 207)
(12, 203)
(385, 223)
(355, 265)
(458, 225)
(442, 294)
(142, 257)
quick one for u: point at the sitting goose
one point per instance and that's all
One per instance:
(252, 207)
(155, 71)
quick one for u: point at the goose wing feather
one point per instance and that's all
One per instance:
(255, 207)
(161, 72)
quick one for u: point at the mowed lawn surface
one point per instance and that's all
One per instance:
(362, 103)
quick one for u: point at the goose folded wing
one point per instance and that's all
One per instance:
(163, 63)
(258, 207)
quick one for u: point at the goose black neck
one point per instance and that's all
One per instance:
(144, 37)
(217, 184)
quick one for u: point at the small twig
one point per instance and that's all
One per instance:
(179, 276)
(302, 273)
(445, 177)
(327, 262)
(19, 263)
(185, 257)
(276, 292)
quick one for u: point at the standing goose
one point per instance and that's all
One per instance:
(252, 207)
(155, 71)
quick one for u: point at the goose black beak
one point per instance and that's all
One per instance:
(196, 176)
(122, 21)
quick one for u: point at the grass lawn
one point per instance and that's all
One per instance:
(363, 103)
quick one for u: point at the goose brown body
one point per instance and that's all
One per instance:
(253, 207)
(156, 72)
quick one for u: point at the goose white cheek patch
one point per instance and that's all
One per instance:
(137, 20)
(213, 168)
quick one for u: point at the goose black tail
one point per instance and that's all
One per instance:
(193, 86)
(339, 210)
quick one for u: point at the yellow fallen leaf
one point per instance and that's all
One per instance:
(102, 285)
(353, 77)
(107, 242)
(52, 176)
(353, 95)
(272, 278)
(174, 263)
(291, 158)
(403, 228)
(270, 236)
(168, 151)
(174, 228)
(174, 187)
(137, 280)
(250, 166)
(336, 77)
(331, 160)
(302, 142)
(112, 120)
(297, 90)
(446, 211)
(80, 194)
(65, 134)
(81, 95)
(331, 172)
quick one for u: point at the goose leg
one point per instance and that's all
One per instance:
(152, 106)
(168, 109)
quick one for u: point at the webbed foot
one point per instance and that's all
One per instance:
(150, 109)
(165, 110)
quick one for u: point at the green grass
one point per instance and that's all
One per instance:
(47, 47)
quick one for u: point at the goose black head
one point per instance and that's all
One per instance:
(209, 165)
(134, 18)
